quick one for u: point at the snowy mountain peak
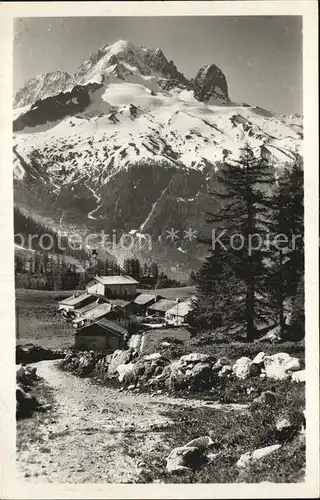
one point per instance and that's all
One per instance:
(137, 60)
(42, 86)
(210, 81)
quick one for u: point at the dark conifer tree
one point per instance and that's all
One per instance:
(239, 264)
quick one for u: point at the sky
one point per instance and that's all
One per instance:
(260, 56)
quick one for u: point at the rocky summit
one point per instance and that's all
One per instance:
(129, 143)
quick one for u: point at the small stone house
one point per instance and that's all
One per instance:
(101, 335)
(113, 286)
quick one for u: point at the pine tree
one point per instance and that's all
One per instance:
(287, 265)
(240, 298)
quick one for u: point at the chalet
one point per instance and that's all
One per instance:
(159, 308)
(98, 312)
(121, 313)
(177, 315)
(141, 303)
(75, 301)
(81, 311)
(101, 335)
(113, 286)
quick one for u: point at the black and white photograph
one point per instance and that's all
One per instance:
(159, 249)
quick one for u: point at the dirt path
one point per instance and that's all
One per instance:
(93, 434)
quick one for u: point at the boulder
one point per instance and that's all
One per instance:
(282, 424)
(119, 358)
(149, 370)
(153, 357)
(277, 365)
(266, 397)
(200, 370)
(124, 370)
(194, 357)
(191, 456)
(254, 369)
(25, 403)
(285, 431)
(166, 344)
(185, 458)
(259, 358)
(248, 458)
(225, 370)
(241, 367)
(201, 442)
(223, 361)
(176, 377)
(299, 376)
(293, 365)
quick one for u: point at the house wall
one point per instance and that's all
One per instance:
(178, 320)
(115, 290)
(88, 342)
(95, 287)
(124, 318)
(98, 339)
(120, 290)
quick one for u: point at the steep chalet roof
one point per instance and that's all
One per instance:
(93, 314)
(108, 325)
(115, 280)
(145, 298)
(73, 301)
(162, 305)
(180, 309)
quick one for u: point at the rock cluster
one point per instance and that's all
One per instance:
(33, 353)
(191, 371)
(26, 376)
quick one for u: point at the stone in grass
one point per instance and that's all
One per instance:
(191, 456)
(185, 458)
(259, 358)
(241, 367)
(266, 397)
(282, 424)
(254, 370)
(201, 442)
(225, 370)
(252, 456)
(195, 357)
(279, 366)
(222, 362)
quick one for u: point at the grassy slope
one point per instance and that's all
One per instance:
(39, 322)
(235, 433)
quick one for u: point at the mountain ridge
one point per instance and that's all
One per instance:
(134, 144)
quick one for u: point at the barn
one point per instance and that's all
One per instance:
(113, 286)
(177, 315)
(160, 307)
(141, 303)
(101, 335)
